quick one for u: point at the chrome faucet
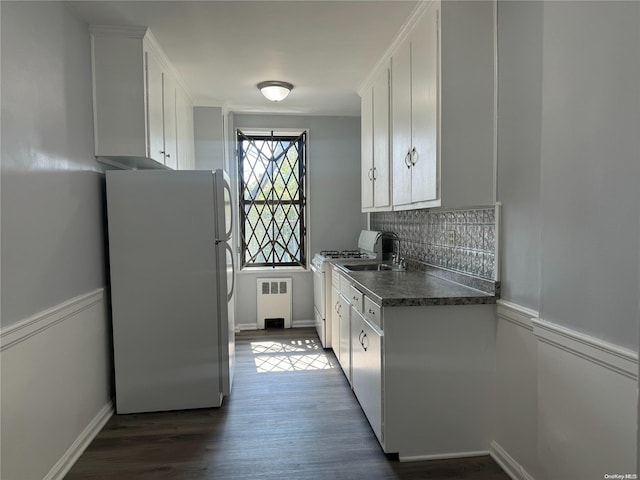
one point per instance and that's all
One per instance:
(398, 262)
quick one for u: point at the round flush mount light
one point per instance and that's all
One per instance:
(275, 90)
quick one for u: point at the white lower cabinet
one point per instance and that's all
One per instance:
(334, 315)
(422, 375)
(366, 358)
(341, 318)
(344, 356)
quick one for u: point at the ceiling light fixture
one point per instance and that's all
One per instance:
(275, 90)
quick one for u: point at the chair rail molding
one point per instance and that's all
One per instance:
(613, 357)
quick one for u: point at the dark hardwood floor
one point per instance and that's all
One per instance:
(291, 415)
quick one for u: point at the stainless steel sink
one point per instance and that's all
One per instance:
(364, 267)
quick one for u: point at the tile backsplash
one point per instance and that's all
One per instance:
(462, 241)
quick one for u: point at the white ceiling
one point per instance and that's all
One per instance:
(222, 49)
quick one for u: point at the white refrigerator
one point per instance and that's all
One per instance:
(172, 278)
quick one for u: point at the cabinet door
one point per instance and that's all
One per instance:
(366, 170)
(345, 336)
(334, 315)
(381, 187)
(169, 117)
(401, 121)
(155, 122)
(184, 127)
(367, 370)
(424, 117)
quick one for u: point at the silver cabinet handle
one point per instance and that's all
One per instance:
(370, 174)
(414, 156)
(407, 162)
(374, 174)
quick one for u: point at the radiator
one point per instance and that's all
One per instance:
(274, 300)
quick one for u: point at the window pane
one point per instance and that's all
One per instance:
(272, 198)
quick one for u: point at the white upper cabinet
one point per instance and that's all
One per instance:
(415, 115)
(442, 118)
(366, 150)
(184, 128)
(468, 96)
(401, 123)
(155, 106)
(137, 122)
(376, 178)
(424, 108)
(169, 112)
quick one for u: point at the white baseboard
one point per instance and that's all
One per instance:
(508, 463)
(443, 456)
(294, 324)
(303, 323)
(71, 456)
(240, 327)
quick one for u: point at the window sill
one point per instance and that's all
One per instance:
(274, 270)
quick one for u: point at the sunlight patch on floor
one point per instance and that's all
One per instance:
(293, 355)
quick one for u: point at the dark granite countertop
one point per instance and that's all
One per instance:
(414, 288)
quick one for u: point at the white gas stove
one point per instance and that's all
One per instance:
(328, 255)
(369, 248)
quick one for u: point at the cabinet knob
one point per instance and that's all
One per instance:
(372, 312)
(168, 155)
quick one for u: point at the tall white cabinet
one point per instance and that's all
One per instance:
(143, 116)
(376, 177)
(415, 114)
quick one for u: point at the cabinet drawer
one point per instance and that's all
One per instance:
(372, 312)
(345, 287)
(335, 278)
(356, 298)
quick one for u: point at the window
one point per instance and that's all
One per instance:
(272, 199)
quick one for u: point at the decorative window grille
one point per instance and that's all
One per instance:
(272, 199)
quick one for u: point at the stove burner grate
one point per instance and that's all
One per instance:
(343, 254)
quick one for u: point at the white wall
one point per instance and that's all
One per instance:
(519, 125)
(55, 369)
(568, 170)
(335, 219)
(208, 137)
(52, 209)
(590, 168)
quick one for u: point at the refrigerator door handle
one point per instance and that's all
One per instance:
(227, 187)
(233, 273)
